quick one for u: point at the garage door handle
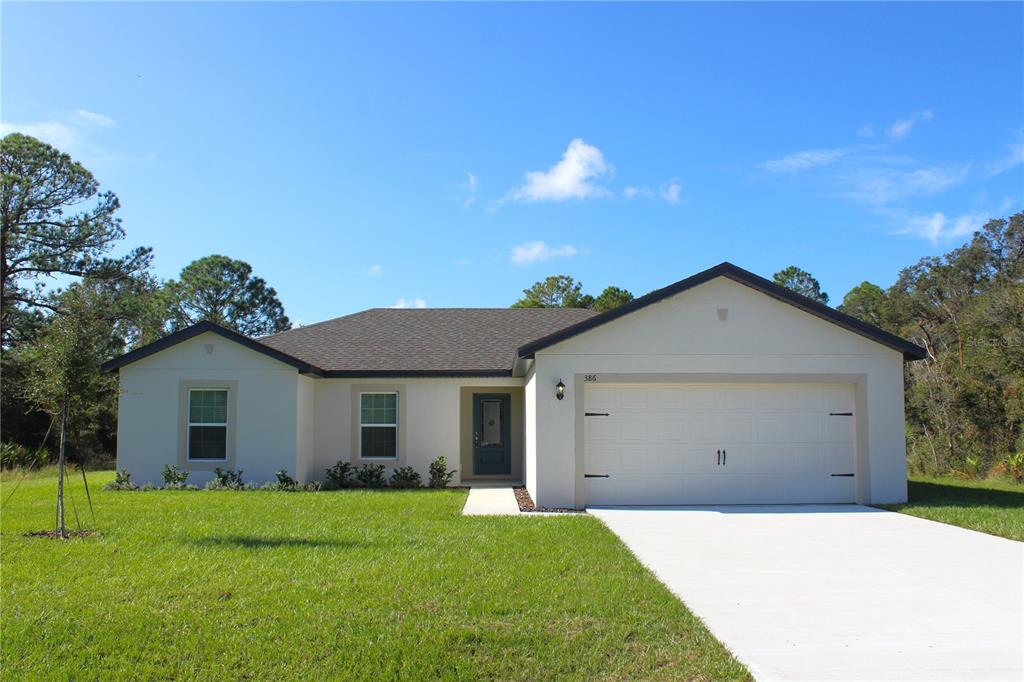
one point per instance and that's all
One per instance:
(723, 457)
(719, 457)
(844, 475)
(595, 475)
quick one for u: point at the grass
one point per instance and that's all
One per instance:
(351, 584)
(992, 506)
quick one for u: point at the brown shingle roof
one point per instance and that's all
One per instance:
(432, 340)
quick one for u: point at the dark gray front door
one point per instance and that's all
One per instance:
(492, 454)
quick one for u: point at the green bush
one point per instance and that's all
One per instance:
(13, 455)
(174, 478)
(405, 477)
(439, 474)
(371, 475)
(122, 481)
(227, 479)
(284, 480)
(1015, 466)
(340, 475)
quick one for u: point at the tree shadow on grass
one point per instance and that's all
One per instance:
(263, 542)
(928, 494)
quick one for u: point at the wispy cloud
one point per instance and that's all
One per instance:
(632, 192)
(410, 303)
(469, 191)
(938, 227)
(374, 270)
(901, 128)
(669, 191)
(1010, 161)
(92, 118)
(463, 262)
(804, 160)
(538, 251)
(877, 186)
(72, 132)
(866, 131)
(60, 135)
(574, 177)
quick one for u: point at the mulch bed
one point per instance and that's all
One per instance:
(526, 503)
(54, 535)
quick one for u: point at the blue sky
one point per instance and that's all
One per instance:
(450, 155)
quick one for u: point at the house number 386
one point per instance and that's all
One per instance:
(590, 377)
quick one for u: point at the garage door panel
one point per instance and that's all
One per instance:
(660, 444)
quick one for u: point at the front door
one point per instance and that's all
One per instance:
(492, 454)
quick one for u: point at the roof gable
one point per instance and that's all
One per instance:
(909, 350)
(202, 328)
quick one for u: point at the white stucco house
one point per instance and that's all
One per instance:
(721, 388)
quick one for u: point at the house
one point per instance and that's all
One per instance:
(721, 388)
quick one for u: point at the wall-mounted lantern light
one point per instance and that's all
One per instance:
(559, 390)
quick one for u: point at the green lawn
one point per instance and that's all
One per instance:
(995, 507)
(354, 584)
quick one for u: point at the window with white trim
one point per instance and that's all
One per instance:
(207, 423)
(378, 425)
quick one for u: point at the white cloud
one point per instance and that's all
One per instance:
(939, 227)
(410, 303)
(58, 134)
(469, 190)
(632, 192)
(463, 262)
(374, 270)
(538, 251)
(901, 128)
(95, 119)
(866, 131)
(669, 191)
(884, 185)
(1012, 160)
(801, 161)
(571, 178)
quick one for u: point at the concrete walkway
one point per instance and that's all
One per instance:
(839, 592)
(491, 501)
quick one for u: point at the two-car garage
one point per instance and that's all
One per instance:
(661, 444)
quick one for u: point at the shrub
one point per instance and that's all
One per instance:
(405, 477)
(371, 475)
(14, 455)
(174, 478)
(439, 474)
(340, 475)
(1015, 466)
(227, 479)
(122, 481)
(286, 483)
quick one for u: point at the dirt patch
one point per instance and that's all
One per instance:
(526, 503)
(54, 535)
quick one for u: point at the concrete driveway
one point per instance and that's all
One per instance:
(839, 592)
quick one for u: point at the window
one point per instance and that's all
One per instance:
(378, 425)
(207, 423)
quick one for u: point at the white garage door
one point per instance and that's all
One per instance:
(718, 444)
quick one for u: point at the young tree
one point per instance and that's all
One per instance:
(558, 291)
(224, 291)
(611, 298)
(801, 281)
(65, 379)
(53, 221)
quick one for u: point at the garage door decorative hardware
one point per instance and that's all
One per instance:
(721, 457)
(840, 414)
(595, 414)
(595, 475)
(844, 475)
